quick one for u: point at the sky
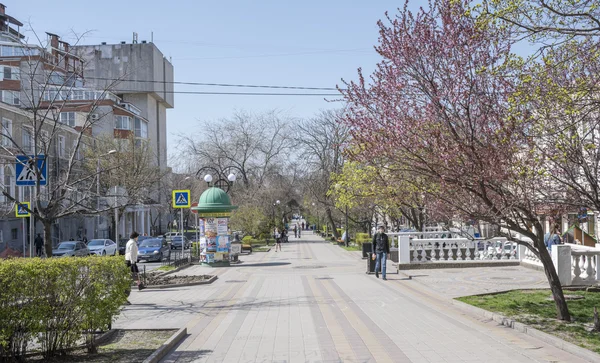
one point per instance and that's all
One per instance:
(266, 42)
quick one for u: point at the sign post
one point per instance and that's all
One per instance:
(181, 200)
(27, 170)
(197, 226)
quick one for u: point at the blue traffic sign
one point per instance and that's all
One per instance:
(181, 199)
(26, 170)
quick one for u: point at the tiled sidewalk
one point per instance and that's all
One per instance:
(313, 302)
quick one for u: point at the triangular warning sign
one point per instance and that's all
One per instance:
(181, 200)
(28, 172)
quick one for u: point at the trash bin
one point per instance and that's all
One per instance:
(367, 249)
(371, 265)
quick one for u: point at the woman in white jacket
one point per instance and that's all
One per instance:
(131, 253)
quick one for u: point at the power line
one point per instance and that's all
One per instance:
(215, 84)
(237, 93)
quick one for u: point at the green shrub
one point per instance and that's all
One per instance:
(362, 238)
(57, 301)
(247, 239)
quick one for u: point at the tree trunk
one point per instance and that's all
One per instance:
(330, 218)
(562, 310)
(48, 238)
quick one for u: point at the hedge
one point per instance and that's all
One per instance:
(362, 238)
(57, 302)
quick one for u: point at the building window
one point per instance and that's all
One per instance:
(61, 146)
(122, 122)
(8, 181)
(12, 73)
(67, 118)
(14, 233)
(76, 150)
(11, 97)
(6, 132)
(27, 141)
(141, 128)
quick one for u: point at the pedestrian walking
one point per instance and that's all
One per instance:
(131, 253)
(303, 225)
(552, 238)
(39, 244)
(299, 231)
(278, 240)
(381, 249)
(295, 231)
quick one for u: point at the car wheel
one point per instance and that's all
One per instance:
(160, 257)
(104, 253)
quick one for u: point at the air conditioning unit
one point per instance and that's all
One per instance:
(94, 117)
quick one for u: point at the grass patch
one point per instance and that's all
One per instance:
(166, 268)
(352, 248)
(534, 308)
(261, 249)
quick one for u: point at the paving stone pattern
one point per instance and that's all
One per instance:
(313, 302)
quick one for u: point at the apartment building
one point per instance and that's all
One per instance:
(89, 89)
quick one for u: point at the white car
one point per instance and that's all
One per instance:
(102, 247)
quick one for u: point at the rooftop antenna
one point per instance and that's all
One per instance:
(135, 38)
(151, 37)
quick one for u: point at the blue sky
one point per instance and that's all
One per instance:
(303, 43)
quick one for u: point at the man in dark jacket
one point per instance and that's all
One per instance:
(381, 249)
(39, 244)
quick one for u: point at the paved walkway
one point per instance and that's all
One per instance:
(313, 302)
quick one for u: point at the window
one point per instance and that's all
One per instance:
(27, 144)
(67, 118)
(77, 95)
(61, 146)
(12, 73)
(14, 233)
(56, 78)
(6, 132)
(8, 180)
(11, 97)
(141, 128)
(76, 150)
(122, 122)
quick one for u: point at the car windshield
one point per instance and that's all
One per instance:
(151, 243)
(96, 242)
(66, 246)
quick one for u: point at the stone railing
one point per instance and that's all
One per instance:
(426, 250)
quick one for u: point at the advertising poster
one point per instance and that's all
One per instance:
(210, 257)
(222, 226)
(236, 249)
(211, 244)
(223, 244)
(202, 227)
(210, 229)
(202, 243)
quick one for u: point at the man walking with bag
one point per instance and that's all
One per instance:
(381, 249)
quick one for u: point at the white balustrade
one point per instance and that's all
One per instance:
(426, 250)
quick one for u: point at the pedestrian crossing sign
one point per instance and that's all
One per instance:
(181, 199)
(21, 211)
(26, 173)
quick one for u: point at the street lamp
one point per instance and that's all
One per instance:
(208, 179)
(98, 190)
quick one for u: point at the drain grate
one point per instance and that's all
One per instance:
(309, 267)
(238, 281)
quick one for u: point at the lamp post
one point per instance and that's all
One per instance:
(98, 191)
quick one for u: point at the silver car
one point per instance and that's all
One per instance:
(102, 247)
(70, 248)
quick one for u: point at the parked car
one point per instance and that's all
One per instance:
(169, 235)
(102, 247)
(122, 244)
(180, 242)
(153, 249)
(142, 239)
(70, 248)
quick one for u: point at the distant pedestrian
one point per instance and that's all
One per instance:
(295, 231)
(39, 243)
(302, 225)
(552, 238)
(131, 253)
(85, 240)
(299, 231)
(381, 249)
(278, 240)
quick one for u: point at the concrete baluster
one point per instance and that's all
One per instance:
(404, 249)
(561, 257)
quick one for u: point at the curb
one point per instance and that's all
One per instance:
(173, 271)
(166, 346)
(160, 287)
(582, 353)
(576, 350)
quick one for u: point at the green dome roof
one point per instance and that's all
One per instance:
(214, 200)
